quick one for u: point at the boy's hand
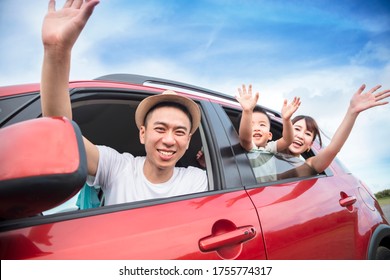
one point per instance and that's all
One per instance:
(247, 101)
(290, 109)
(61, 28)
(200, 158)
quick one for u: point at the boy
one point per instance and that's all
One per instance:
(255, 133)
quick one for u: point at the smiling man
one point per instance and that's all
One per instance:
(166, 122)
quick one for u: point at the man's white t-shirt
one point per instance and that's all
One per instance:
(122, 179)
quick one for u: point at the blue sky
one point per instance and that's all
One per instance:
(321, 51)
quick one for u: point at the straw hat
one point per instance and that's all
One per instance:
(167, 96)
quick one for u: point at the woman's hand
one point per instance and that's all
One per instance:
(289, 109)
(362, 101)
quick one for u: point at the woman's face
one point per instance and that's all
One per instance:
(303, 138)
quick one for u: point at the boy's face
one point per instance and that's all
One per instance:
(166, 137)
(260, 129)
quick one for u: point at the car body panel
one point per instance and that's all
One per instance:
(164, 231)
(304, 220)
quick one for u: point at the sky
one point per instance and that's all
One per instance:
(321, 51)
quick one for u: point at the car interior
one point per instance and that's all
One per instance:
(111, 123)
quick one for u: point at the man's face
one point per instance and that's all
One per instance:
(260, 129)
(166, 137)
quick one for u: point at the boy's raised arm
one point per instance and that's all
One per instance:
(248, 103)
(60, 31)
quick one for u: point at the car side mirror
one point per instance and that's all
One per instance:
(43, 164)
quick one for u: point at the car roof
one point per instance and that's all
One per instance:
(135, 82)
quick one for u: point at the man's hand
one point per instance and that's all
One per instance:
(61, 28)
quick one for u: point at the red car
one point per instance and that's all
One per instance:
(43, 213)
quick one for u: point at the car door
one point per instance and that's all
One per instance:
(305, 219)
(311, 217)
(219, 224)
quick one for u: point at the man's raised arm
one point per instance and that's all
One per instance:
(60, 31)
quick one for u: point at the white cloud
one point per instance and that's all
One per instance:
(372, 53)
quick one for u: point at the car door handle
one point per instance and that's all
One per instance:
(234, 237)
(347, 201)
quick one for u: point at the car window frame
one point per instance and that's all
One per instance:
(274, 119)
(25, 110)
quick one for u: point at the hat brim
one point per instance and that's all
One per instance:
(149, 102)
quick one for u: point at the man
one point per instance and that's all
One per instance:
(166, 122)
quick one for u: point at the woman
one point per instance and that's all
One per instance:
(306, 129)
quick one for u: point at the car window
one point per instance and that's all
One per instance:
(111, 122)
(283, 166)
(11, 105)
